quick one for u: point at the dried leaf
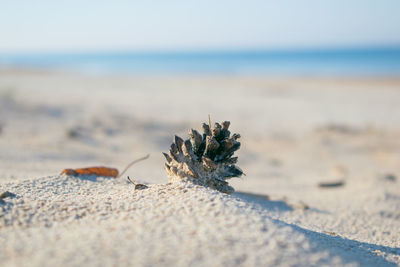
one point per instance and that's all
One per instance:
(97, 171)
(137, 186)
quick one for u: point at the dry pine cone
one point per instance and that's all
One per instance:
(205, 159)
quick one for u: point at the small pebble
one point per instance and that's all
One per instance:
(331, 184)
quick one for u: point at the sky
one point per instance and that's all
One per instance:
(78, 26)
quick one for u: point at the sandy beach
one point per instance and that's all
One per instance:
(321, 157)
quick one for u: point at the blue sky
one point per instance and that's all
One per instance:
(44, 25)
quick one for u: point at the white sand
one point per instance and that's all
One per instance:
(296, 134)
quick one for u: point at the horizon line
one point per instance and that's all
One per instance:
(206, 50)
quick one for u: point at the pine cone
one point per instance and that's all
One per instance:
(206, 159)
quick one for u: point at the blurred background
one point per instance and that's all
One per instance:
(312, 86)
(208, 37)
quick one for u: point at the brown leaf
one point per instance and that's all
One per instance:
(97, 171)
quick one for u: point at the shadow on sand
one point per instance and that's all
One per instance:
(264, 201)
(348, 250)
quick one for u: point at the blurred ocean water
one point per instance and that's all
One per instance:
(343, 62)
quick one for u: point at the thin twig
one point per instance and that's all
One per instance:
(133, 162)
(129, 179)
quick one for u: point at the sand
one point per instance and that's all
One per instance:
(297, 133)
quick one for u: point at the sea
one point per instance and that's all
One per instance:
(318, 62)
